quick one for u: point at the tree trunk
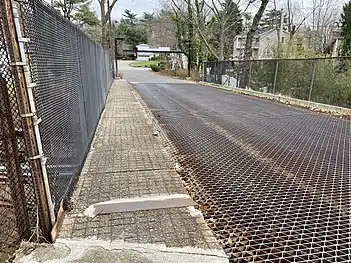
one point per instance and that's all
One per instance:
(103, 22)
(248, 45)
(201, 24)
(190, 36)
(221, 42)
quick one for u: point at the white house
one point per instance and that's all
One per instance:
(149, 52)
(263, 45)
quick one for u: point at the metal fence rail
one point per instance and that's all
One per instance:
(46, 135)
(324, 80)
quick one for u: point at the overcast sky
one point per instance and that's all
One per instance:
(140, 6)
(136, 6)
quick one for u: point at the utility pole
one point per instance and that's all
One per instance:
(281, 25)
(109, 26)
(280, 29)
(116, 56)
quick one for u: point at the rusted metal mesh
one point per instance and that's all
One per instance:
(272, 181)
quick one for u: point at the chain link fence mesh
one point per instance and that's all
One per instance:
(72, 75)
(323, 80)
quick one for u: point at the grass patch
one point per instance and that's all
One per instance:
(143, 64)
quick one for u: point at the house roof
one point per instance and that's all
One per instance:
(261, 32)
(269, 31)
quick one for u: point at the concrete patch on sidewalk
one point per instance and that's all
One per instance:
(94, 250)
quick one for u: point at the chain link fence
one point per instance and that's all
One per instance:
(72, 76)
(323, 80)
(53, 79)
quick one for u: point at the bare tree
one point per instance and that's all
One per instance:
(248, 44)
(253, 29)
(317, 19)
(202, 12)
(105, 13)
(181, 7)
(162, 30)
(325, 13)
(224, 20)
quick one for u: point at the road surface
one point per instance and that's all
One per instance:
(272, 181)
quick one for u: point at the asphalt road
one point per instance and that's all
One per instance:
(273, 181)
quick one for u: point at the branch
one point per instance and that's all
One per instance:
(309, 14)
(214, 9)
(175, 6)
(206, 43)
(109, 10)
(238, 19)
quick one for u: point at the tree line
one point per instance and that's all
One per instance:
(206, 29)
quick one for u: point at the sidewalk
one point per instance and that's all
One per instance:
(127, 160)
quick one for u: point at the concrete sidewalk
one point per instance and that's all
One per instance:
(128, 159)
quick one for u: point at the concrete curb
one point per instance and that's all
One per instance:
(313, 106)
(139, 204)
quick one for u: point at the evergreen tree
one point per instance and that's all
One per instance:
(229, 22)
(67, 8)
(234, 26)
(346, 29)
(132, 29)
(85, 16)
(271, 20)
(129, 17)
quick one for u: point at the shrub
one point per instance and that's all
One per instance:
(155, 67)
(163, 65)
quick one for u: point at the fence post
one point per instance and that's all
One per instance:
(227, 67)
(217, 72)
(238, 74)
(249, 77)
(189, 57)
(30, 122)
(221, 73)
(116, 58)
(312, 80)
(275, 76)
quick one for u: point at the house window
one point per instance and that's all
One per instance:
(283, 39)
